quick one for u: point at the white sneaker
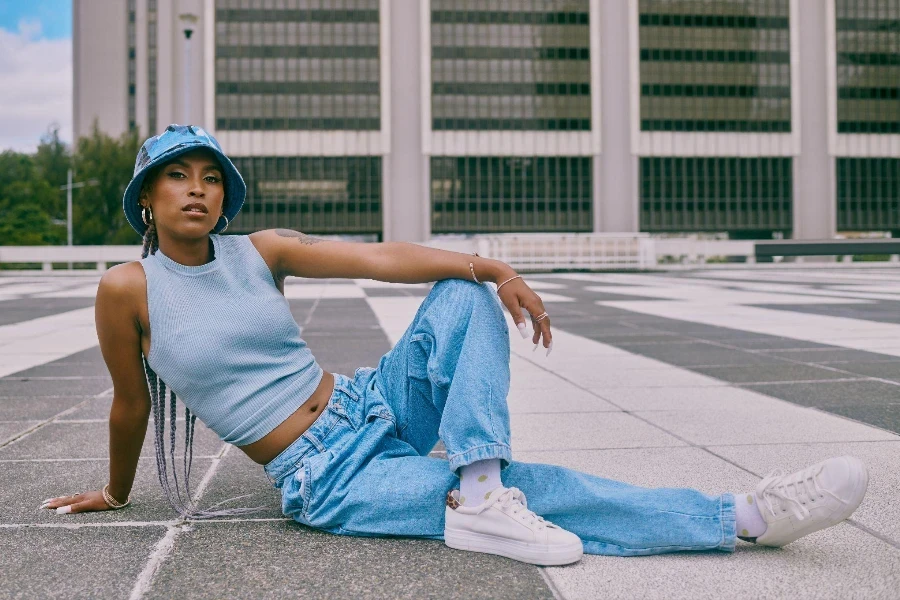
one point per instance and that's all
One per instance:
(503, 525)
(809, 500)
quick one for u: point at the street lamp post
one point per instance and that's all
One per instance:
(69, 187)
(188, 20)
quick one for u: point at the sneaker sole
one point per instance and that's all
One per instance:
(521, 551)
(862, 486)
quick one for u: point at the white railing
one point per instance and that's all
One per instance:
(47, 255)
(545, 252)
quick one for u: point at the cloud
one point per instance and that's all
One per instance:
(35, 86)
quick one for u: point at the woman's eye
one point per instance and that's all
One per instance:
(214, 179)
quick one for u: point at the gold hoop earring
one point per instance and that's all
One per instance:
(144, 214)
(226, 222)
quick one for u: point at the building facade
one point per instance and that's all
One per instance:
(405, 119)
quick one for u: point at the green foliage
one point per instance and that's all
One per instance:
(33, 207)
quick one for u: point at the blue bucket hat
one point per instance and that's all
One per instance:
(174, 141)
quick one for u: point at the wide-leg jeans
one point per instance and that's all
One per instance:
(363, 467)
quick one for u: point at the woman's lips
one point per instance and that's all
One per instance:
(194, 213)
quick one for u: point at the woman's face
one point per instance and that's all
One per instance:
(186, 194)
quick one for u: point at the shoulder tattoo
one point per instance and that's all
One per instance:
(302, 237)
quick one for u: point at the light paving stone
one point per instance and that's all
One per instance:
(880, 510)
(566, 400)
(750, 424)
(39, 408)
(652, 467)
(575, 431)
(10, 430)
(840, 562)
(683, 398)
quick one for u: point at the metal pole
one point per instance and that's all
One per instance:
(187, 77)
(69, 213)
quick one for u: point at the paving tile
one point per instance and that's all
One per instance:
(834, 356)
(576, 431)
(10, 430)
(89, 562)
(690, 354)
(652, 467)
(885, 416)
(881, 369)
(11, 388)
(761, 424)
(569, 399)
(91, 440)
(879, 510)
(39, 408)
(772, 372)
(25, 309)
(832, 393)
(28, 484)
(275, 559)
(840, 562)
(237, 475)
(682, 398)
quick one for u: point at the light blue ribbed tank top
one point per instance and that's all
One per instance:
(222, 337)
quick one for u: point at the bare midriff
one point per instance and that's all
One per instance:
(273, 443)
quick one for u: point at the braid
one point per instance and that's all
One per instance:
(151, 240)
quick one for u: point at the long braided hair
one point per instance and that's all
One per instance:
(184, 505)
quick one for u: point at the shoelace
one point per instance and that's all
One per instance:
(775, 489)
(514, 502)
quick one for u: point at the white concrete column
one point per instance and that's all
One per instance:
(813, 169)
(615, 169)
(407, 203)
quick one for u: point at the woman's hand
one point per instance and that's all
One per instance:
(85, 502)
(516, 295)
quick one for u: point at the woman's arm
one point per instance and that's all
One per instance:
(295, 253)
(118, 330)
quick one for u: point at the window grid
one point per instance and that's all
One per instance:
(716, 194)
(324, 195)
(489, 194)
(525, 66)
(868, 66)
(715, 66)
(303, 65)
(868, 194)
(151, 66)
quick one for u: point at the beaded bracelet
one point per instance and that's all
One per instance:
(112, 502)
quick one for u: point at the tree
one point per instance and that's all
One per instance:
(98, 214)
(27, 201)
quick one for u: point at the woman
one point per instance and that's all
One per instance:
(350, 455)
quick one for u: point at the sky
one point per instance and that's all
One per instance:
(35, 71)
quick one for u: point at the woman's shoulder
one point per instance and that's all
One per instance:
(126, 281)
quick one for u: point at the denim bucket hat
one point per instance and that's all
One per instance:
(176, 140)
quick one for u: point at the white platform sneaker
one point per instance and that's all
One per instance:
(809, 500)
(503, 525)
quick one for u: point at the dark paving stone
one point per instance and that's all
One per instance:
(67, 369)
(98, 408)
(834, 356)
(284, 559)
(770, 372)
(91, 440)
(89, 562)
(28, 484)
(26, 309)
(772, 343)
(395, 292)
(690, 354)
(833, 393)
(238, 475)
(881, 369)
(14, 388)
(9, 430)
(35, 409)
(886, 416)
(882, 311)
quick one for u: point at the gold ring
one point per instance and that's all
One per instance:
(541, 316)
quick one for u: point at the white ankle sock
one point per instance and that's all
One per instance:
(749, 520)
(476, 481)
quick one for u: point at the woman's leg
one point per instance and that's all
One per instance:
(448, 377)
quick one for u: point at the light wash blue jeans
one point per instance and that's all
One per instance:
(363, 467)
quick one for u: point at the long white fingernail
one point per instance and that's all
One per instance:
(535, 348)
(45, 505)
(49, 500)
(549, 348)
(521, 327)
(64, 509)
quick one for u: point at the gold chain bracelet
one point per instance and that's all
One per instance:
(112, 502)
